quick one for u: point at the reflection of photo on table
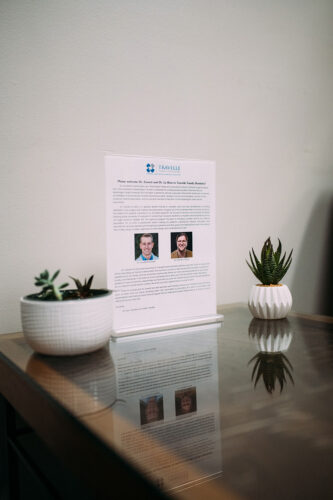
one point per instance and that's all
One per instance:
(181, 245)
(146, 247)
(151, 409)
(186, 401)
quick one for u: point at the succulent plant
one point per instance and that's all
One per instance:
(271, 268)
(50, 291)
(272, 367)
(83, 291)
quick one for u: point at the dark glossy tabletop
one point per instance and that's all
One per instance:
(240, 410)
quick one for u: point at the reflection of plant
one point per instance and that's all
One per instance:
(272, 367)
(271, 269)
(91, 379)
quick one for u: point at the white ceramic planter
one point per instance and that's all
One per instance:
(270, 302)
(69, 327)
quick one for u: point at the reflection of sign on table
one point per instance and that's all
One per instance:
(169, 390)
(161, 242)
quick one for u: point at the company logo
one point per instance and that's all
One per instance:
(169, 168)
(150, 168)
(163, 169)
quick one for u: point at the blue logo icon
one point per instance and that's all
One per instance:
(150, 168)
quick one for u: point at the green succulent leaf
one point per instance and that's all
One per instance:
(90, 281)
(258, 263)
(277, 254)
(288, 262)
(55, 275)
(77, 282)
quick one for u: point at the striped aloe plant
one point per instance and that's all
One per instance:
(271, 268)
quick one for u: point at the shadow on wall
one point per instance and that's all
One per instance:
(313, 279)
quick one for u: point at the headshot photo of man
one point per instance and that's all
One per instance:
(144, 244)
(186, 401)
(151, 409)
(183, 244)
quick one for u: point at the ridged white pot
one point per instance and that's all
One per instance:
(270, 302)
(68, 327)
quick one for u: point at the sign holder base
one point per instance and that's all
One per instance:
(173, 325)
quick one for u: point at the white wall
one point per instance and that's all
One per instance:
(247, 83)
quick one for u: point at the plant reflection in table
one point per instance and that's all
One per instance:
(85, 384)
(272, 338)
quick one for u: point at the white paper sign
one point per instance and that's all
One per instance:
(160, 241)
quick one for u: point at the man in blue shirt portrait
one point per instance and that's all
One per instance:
(146, 247)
